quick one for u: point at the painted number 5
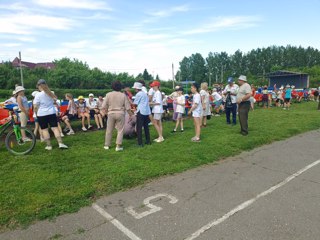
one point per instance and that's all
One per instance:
(153, 208)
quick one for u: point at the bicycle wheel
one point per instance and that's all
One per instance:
(20, 147)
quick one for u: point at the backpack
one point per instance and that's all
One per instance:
(228, 101)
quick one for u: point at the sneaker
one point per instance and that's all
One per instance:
(62, 135)
(118, 149)
(155, 139)
(174, 130)
(182, 130)
(26, 139)
(49, 148)
(106, 147)
(70, 133)
(160, 140)
(41, 139)
(84, 129)
(89, 127)
(217, 115)
(62, 146)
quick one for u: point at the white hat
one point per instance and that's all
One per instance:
(13, 92)
(242, 78)
(34, 93)
(91, 95)
(177, 87)
(288, 85)
(137, 85)
(214, 89)
(19, 89)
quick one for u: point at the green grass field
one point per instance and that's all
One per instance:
(46, 184)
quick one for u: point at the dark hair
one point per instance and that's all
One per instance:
(196, 86)
(116, 86)
(142, 82)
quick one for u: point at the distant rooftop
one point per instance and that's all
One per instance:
(47, 65)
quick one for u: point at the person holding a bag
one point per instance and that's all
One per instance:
(230, 92)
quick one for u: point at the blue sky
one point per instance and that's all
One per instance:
(128, 36)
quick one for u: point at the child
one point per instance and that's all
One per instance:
(196, 111)
(217, 100)
(83, 112)
(23, 105)
(157, 110)
(58, 113)
(71, 113)
(180, 101)
(94, 111)
(205, 103)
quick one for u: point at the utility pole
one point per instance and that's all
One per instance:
(209, 77)
(21, 74)
(172, 76)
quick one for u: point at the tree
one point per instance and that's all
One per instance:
(146, 76)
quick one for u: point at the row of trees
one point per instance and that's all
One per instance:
(256, 64)
(67, 74)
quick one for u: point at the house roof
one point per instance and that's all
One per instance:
(47, 65)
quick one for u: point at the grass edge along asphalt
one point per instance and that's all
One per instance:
(43, 185)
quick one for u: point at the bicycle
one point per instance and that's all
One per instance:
(13, 140)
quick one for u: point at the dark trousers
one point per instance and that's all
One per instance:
(232, 110)
(244, 108)
(143, 121)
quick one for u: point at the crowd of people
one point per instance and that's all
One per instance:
(129, 113)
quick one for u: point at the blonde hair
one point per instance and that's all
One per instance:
(204, 86)
(46, 89)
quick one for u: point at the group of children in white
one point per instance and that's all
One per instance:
(148, 110)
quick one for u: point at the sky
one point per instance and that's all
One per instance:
(130, 36)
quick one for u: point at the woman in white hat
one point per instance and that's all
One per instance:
(23, 105)
(46, 114)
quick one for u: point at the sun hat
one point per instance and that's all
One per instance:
(41, 81)
(155, 84)
(242, 78)
(91, 95)
(80, 97)
(19, 89)
(13, 92)
(137, 85)
(230, 79)
(34, 93)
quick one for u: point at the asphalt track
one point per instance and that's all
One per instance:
(272, 192)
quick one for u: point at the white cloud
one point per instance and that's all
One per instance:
(76, 45)
(170, 11)
(127, 36)
(223, 23)
(25, 23)
(76, 4)
(11, 45)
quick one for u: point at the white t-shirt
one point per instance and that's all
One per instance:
(44, 103)
(151, 92)
(92, 104)
(203, 93)
(180, 100)
(157, 98)
(197, 112)
(216, 96)
(234, 90)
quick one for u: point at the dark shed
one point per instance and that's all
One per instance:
(299, 80)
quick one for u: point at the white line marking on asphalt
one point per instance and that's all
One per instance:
(249, 202)
(115, 222)
(153, 208)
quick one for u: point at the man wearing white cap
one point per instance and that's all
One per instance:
(143, 112)
(243, 100)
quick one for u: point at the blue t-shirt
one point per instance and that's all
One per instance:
(288, 93)
(142, 102)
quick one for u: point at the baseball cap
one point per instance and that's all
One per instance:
(155, 84)
(230, 80)
(41, 81)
